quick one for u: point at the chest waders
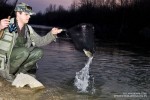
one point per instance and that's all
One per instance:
(23, 58)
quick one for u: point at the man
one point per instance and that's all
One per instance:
(19, 45)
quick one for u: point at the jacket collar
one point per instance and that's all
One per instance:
(12, 20)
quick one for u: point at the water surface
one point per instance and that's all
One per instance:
(117, 72)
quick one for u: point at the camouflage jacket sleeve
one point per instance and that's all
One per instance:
(41, 40)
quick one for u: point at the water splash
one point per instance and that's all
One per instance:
(92, 86)
(82, 77)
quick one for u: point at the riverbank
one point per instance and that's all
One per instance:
(9, 92)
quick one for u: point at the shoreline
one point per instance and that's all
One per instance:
(9, 92)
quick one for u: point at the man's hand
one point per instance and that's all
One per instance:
(56, 30)
(4, 23)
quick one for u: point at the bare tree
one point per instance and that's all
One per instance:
(86, 2)
(3, 2)
(74, 5)
(98, 3)
(61, 8)
(51, 8)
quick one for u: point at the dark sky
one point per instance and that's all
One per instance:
(41, 5)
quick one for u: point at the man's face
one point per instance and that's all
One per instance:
(23, 17)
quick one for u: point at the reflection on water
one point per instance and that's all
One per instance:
(116, 72)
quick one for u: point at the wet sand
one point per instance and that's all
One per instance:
(9, 92)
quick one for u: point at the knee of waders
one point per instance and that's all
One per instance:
(38, 52)
(19, 53)
(23, 52)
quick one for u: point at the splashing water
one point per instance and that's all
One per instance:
(82, 77)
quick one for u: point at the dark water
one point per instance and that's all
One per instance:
(117, 73)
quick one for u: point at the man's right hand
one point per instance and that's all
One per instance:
(4, 23)
(56, 31)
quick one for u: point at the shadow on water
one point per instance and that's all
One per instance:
(118, 73)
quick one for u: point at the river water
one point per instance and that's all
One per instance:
(119, 74)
